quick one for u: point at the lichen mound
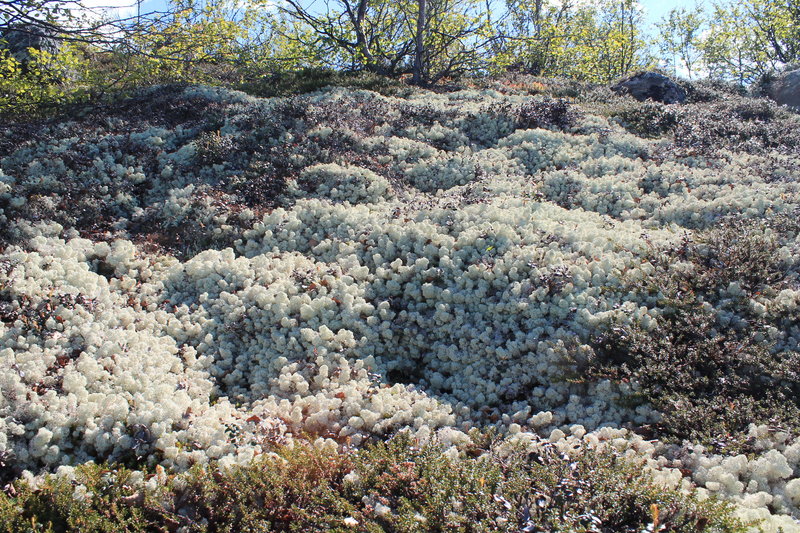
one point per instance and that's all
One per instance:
(217, 272)
(341, 184)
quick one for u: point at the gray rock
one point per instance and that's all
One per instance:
(652, 86)
(18, 39)
(785, 89)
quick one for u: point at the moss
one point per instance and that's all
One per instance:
(203, 168)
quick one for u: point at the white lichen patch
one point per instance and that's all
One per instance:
(435, 269)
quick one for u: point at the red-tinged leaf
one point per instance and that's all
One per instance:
(255, 419)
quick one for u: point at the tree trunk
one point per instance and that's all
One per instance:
(361, 40)
(419, 48)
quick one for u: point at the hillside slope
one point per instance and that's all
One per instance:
(198, 275)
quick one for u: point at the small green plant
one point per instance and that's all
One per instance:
(213, 147)
(99, 500)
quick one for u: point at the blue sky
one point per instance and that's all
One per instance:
(655, 8)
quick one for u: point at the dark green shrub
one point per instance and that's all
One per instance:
(111, 505)
(545, 114)
(263, 182)
(566, 87)
(700, 91)
(741, 251)
(703, 126)
(594, 492)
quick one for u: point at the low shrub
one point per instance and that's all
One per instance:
(726, 121)
(739, 251)
(213, 148)
(648, 119)
(689, 370)
(388, 486)
(703, 91)
(545, 114)
(691, 366)
(308, 80)
(738, 124)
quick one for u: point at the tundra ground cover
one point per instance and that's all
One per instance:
(200, 279)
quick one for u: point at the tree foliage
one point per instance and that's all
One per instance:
(739, 42)
(191, 41)
(680, 39)
(593, 42)
(443, 37)
(239, 41)
(777, 27)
